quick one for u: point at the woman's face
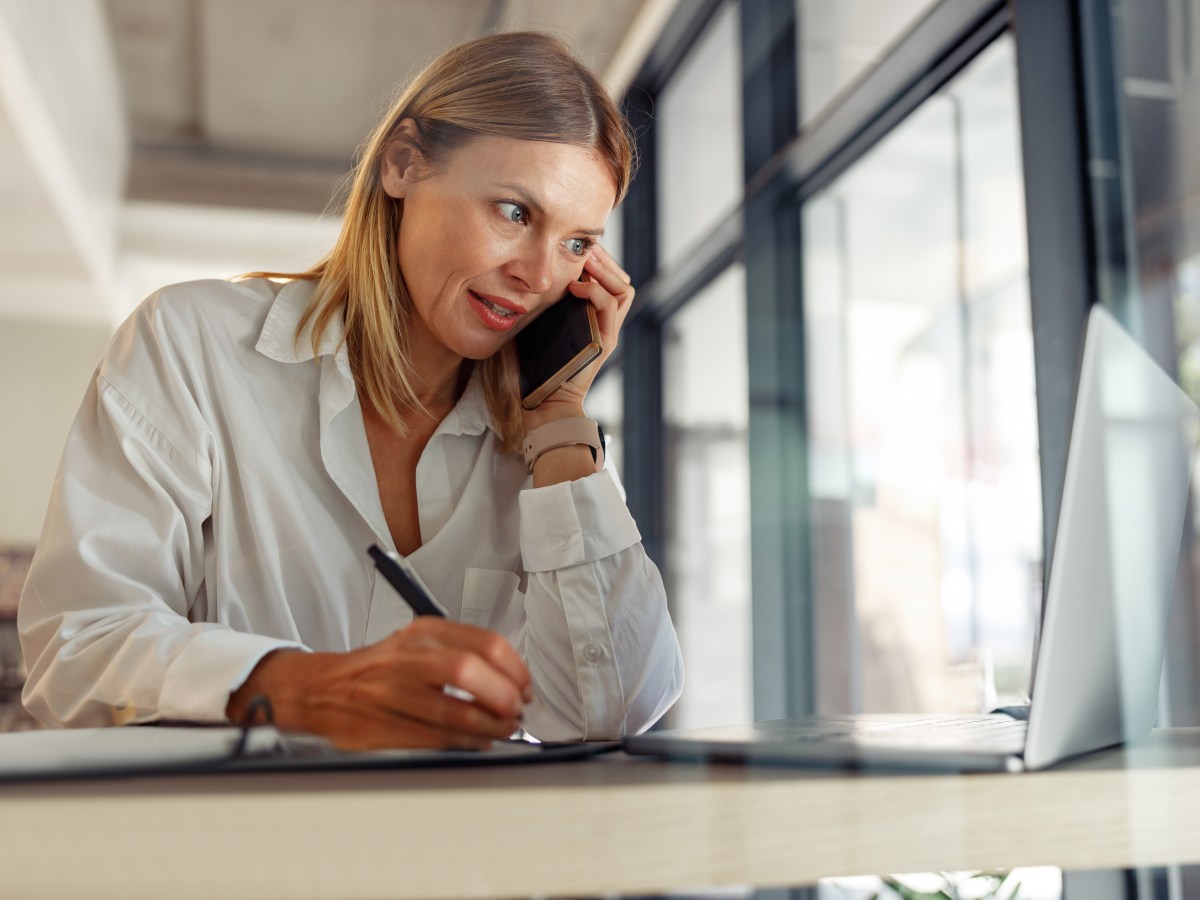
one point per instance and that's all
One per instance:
(494, 234)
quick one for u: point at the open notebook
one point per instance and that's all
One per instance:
(1112, 578)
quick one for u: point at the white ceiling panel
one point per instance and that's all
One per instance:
(411, 34)
(287, 74)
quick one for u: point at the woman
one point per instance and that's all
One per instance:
(243, 444)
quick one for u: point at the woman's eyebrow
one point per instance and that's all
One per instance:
(525, 197)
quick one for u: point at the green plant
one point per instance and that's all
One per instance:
(996, 885)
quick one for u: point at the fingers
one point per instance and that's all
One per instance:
(390, 694)
(432, 706)
(501, 664)
(470, 673)
(609, 289)
(610, 311)
(603, 270)
(605, 259)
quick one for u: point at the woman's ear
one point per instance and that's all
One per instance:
(398, 166)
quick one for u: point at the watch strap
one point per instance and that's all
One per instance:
(564, 433)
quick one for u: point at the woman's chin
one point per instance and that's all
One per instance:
(482, 343)
(477, 351)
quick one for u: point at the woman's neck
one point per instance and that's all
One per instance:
(439, 376)
(439, 396)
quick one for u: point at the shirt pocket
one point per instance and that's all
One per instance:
(488, 596)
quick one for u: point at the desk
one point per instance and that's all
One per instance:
(610, 824)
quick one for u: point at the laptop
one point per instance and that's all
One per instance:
(1111, 581)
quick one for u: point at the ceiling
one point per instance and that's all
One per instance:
(150, 141)
(261, 103)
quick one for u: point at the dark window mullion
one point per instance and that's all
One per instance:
(779, 545)
(641, 342)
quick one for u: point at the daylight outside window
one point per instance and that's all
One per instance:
(924, 463)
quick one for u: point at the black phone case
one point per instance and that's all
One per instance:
(555, 346)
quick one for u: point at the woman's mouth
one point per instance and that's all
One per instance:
(495, 312)
(499, 310)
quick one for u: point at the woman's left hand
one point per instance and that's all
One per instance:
(609, 289)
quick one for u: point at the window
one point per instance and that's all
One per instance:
(697, 336)
(708, 520)
(1144, 124)
(605, 406)
(700, 147)
(926, 503)
(839, 41)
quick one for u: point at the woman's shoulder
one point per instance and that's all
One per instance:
(195, 314)
(208, 304)
(181, 325)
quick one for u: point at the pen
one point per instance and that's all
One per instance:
(409, 588)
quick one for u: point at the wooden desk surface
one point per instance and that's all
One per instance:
(613, 824)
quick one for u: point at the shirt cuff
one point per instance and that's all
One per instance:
(574, 522)
(214, 664)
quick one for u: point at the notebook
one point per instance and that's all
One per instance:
(1111, 580)
(192, 749)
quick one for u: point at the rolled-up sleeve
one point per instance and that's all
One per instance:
(598, 638)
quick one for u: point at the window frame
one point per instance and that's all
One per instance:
(784, 166)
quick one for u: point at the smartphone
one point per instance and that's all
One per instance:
(555, 346)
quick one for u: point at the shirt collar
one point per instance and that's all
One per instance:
(278, 339)
(279, 342)
(470, 415)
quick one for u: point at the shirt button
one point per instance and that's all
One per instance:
(593, 652)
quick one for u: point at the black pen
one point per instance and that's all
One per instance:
(409, 587)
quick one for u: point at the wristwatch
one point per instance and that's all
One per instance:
(564, 433)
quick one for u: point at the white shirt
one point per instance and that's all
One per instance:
(216, 499)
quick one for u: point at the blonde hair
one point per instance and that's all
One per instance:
(525, 85)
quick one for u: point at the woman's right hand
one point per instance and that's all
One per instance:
(392, 693)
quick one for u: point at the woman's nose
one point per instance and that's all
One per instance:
(533, 265)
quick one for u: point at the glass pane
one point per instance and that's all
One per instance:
(708, 508)
(1155, 272)
(699, 124)
(605, 403)
(924, 466)
(614, 234)
(841, 39)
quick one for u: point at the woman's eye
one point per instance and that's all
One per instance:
(512, 211)
(579, 246)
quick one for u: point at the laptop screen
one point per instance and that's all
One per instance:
(1116, 551)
